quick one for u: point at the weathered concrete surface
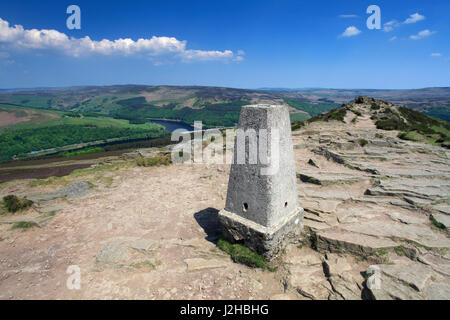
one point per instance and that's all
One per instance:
(262, 199)
(268, 241)
(269, 196)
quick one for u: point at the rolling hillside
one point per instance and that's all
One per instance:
(28, 131)
(216, 106)
(40, 119)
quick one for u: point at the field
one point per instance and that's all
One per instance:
(212, 115)
(313, 109)
(26, 132)
(12, 115)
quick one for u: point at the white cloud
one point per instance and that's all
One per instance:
(389, 26)
(422, 34)
(437, 54)
(416, 17)
(154, 48)
(351, 31)
(346, 16)
(393, 38)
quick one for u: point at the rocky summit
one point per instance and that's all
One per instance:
(373, 179)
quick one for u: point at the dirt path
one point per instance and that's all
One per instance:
(173, 208)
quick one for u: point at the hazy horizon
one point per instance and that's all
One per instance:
(195, 85)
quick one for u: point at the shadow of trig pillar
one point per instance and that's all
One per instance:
(262, 208)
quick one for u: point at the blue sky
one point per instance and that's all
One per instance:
(244, 44)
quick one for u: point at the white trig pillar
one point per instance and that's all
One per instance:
(262, 209)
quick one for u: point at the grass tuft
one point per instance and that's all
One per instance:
(400, 250)
(313, 238)
(14, 203)
(362, 142)
(22, 225)
(437, 224)
(161, 160)
(83, 151)
(244, 255)
(408, 135)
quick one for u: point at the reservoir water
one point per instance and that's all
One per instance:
(173, 125)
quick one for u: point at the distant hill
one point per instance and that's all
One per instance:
(215, 106)
(412, 125)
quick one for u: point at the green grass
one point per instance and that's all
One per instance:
(70, 131)
(437, 224)
(399, 250)
(144, 264)
(105, 122)
(57, 118)
(42, 182)
(314, 239)
(30, 117)
(375, 106)
(22, 225)
(390, 124)
(242, 254)
(442, 129)
(297, 125)
(418, 126)
(410, 136)
(49, 129)
(160, 160)
(299, 117)
(363, 142)
(17, 112)
(337, 114)
(104, 103)
(83, 151)
(14, 203)
(212, 114)
(313, 109)
(32, 100)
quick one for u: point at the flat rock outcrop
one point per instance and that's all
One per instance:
(378, 201)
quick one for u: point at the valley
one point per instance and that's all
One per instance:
(78, 117)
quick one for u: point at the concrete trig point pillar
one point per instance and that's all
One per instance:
(262, 208)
